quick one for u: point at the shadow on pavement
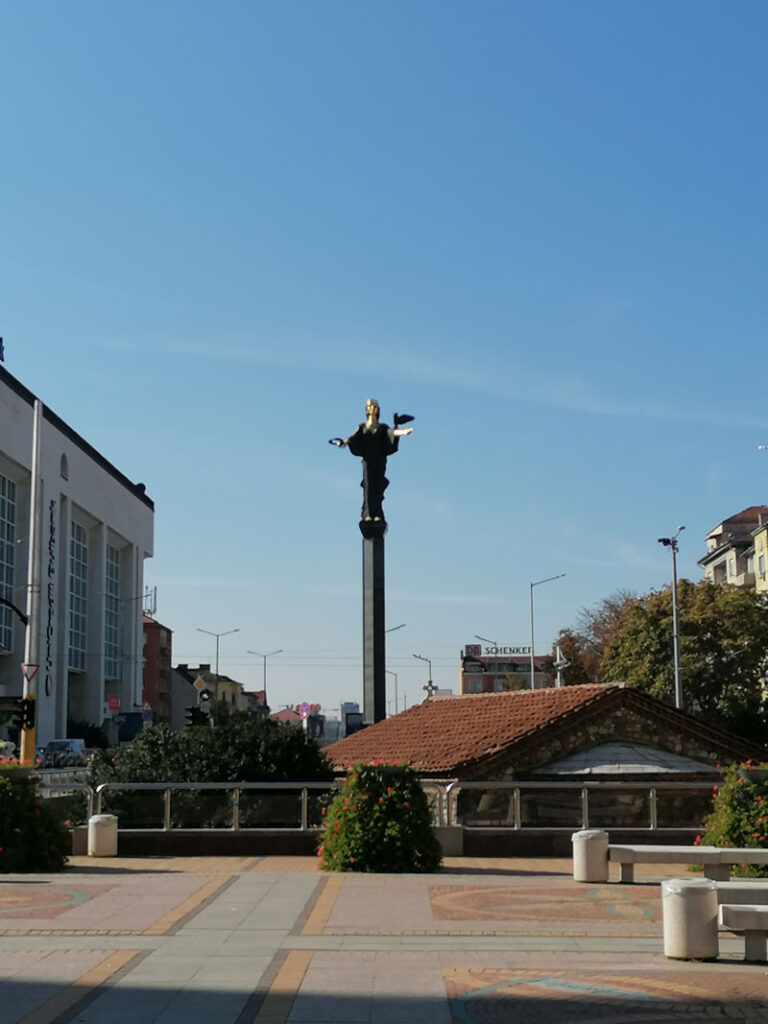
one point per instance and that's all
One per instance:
(519, 872)
(547, 998)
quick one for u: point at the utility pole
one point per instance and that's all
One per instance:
(671, 543)
(32, 631)
(531, 586)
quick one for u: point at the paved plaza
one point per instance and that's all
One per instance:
(272, 940)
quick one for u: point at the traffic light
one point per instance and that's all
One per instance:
(195, 716)
(25, 714)
(205, 706)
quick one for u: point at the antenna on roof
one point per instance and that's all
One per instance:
(2, 351)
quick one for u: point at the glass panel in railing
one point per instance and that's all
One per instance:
(624, 807)
(485, 807)
(682, 808)
(550, 808)
(201, 808)
(134, 808)
(270, 808)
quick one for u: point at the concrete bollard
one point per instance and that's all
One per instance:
(102, 835)
(689, 911)
(590, 855)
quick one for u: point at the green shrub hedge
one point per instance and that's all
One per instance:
(739, 816)
(380, 821)
(32, 838)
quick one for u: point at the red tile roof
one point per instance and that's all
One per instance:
(286, 715)
(444, 733)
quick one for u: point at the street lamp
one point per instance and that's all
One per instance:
(430, 687)
(495, 645)
(217, 635)
(395, 675)
(392, 630)
(538, 583)
(671, 543)
(265, 656)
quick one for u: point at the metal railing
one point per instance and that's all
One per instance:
(59, 776)
(234, 788)
(573, 804)
(518, 789)
(67, 789)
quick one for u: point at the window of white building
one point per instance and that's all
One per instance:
(7, 559)
(78, 595)
(112, 614)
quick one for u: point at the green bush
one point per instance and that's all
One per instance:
(32, 838)
(241, 748)
(93, 735)
(739, 816)
(380, 821)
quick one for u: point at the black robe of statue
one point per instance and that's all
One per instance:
(373, 446)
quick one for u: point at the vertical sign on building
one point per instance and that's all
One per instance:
(50, 594)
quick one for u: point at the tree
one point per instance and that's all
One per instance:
(583, 646)
(241, 748)
(723, 651)
(244, 748)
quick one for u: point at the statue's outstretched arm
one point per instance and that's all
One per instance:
(402, 431)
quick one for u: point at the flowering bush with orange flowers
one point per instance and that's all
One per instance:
(32, 838)
(380, 821)
(739, 816)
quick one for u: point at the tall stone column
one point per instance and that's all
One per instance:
(374, 657)
(374, 442)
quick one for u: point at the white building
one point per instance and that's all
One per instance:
(93, 530)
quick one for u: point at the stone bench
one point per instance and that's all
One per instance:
(746, 890)
(592, 853)
(717, 861)
(695, 910)
(750, 918)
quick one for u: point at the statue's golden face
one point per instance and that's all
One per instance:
(372, 408)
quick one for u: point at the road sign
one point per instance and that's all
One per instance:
(147, 706)
(29, 672)
(199, 683)
(303, 709)
(113, 702)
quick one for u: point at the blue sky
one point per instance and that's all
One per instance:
(540, 228)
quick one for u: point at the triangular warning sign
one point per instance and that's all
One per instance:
(29, 672)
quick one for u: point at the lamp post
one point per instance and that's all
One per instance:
(537, 583)
(218, 636)
(495, 645)
(395, 675)
(265, 656)
(430, 687)
(392, 630)
(671, 543)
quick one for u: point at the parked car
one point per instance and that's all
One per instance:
(65, 753)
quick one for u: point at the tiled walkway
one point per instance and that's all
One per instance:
(270, 940)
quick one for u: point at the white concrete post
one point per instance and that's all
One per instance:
(102, 835)
(590, 855)
(689, 911)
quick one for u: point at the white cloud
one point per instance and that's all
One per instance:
(566, 391)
